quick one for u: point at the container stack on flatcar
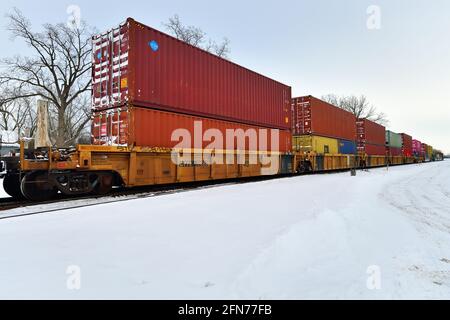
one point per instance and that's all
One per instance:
(429, 152)
(146, 84)
(394, 145)
(371, 142)
(316, 120)
(438, 155)
(417, 151)
(424, 152)
(325, 132)
(407, 148)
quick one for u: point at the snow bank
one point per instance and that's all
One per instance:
(296, 238)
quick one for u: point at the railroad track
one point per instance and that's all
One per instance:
(74, 203)
(11, 208)
(14, 208)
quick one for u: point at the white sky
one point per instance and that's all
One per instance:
(317, 47)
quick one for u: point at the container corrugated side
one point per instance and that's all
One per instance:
(394, 151)
(370, 132)
(407, 145)
(316, 144)
(393, 139)
(314, 116)
(374, 149)
(429, 152)
(347, 146)
(417, 148)
(143, 66)
(135, 126)
(424, 150)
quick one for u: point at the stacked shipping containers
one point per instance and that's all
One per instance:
(438, 155)
(424, 151)
(146, 84)
(371, 137)
(427, 152)
(430, 152)
(407, 145)
(417, 148)
(394, 143)
(321, 127)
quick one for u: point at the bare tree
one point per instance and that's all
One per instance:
(359, 106)
(18, 116)
(197, 37)
(59, 71)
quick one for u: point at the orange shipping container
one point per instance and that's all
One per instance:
(314, 116)
(135, 126)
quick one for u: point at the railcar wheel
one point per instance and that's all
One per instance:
(104, 185)
(11, 185)
(37, 187)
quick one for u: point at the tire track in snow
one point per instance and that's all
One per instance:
(424, 199)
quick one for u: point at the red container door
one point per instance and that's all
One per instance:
(314, 116)
(110, 127)
(301, 117)
(110, 68)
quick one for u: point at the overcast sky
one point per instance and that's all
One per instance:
(316, 46)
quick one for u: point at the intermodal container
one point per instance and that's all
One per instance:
(393, 140)
(347, 146)
(430, 152)
(312, 116)
(417, 148)
(316, 144)
(370, 132)
(394, 151)
(136, 126)
(424, 151)
(373, 149)
(136, 64)
(407, 145)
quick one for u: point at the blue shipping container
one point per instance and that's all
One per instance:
(347, 147)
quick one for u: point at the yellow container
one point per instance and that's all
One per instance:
(430, 152)
(317, 144)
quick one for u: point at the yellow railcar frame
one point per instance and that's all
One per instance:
(140, 166)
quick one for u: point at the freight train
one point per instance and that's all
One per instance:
(165, 112)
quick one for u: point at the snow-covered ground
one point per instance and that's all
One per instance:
(382, 234)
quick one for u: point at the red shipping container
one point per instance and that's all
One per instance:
(136, 64)
(372, 149)
(370, 132)
(407, 145)
(424, 150)
(314, 116)
(135, 126)
(417, 148)
(393, 151)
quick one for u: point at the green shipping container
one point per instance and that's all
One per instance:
(393, 139)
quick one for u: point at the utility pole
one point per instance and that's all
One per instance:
(42, 138)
